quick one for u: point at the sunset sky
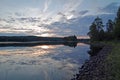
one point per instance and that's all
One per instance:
(53, 17)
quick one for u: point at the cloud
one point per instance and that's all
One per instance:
(18, 14)
(72, 5)
(83, 12)
(111, 8)
(46, 5)
(67, 19)
(68, 10)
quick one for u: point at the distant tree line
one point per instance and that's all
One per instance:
(97, 29)
(70, 38)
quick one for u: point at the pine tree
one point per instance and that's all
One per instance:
(117, 25)
(110, 25)
(96, 32)
(93, 32)
(99, 24)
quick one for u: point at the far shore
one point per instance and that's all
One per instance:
(71, 41)
(36, 39)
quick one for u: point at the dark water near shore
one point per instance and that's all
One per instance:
(42, 62)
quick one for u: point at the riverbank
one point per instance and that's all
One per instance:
(97, 67)
(114, 59)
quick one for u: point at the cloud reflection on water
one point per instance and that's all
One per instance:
(41, 62)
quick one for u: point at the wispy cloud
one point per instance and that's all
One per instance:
(46, 5)
(48, 15)
(72, 5)
(111, 8)
(69, 9)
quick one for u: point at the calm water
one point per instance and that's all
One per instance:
(46, 62)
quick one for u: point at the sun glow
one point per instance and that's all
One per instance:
(70, 17)
(43, 50)
(45, 47)
(47, 35)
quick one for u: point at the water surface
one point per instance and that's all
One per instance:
(42, 62)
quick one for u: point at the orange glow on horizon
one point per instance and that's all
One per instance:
(83, 37)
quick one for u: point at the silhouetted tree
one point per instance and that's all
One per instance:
(99, 24)
(110, 25)
(93, 33)
(96, 30)
(101, 35)
(117, 25)
(108, 35)
(70, 38)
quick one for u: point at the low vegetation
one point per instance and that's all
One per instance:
(114, 60)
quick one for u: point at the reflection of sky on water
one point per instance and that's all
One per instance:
(41, 62)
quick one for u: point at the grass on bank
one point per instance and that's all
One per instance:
(114, 59)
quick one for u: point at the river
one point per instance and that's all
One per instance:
(42, 62)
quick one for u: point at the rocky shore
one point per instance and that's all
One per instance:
(96, 68)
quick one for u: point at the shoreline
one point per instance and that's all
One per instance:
(28, 41)
(95, 68)
(38, 38)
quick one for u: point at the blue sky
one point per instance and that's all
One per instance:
(31, 16)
